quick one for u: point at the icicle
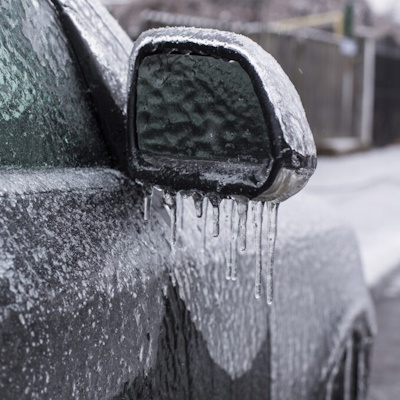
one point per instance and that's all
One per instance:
(258, 210)
(232, 244)
(226, 210)
(215, 221)
(254, 206)
(198, 204)
(182, 211)
(215, 202)
(170, 201)
(205, 225)
(272, 212)
(348, 370)
(147, 197)
(242, 211)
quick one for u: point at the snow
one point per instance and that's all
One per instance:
(364, 189)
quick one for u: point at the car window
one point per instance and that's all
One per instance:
(46, 115)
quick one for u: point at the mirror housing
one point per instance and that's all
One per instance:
(290, 154)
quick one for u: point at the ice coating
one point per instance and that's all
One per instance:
(104, 269)
(242, 206)
(73, 287)
(216, 213)
(89, 308)
(258, 210)
(198, 203)
(205, 224)
(272, 228)
(170, 201)
(182, 212)
(102, 51)
(110, 50)
(25, 182)
(147, 196)
(291, 240)
(215, 202)
(237, 232)
(327, 245)
(231, 265)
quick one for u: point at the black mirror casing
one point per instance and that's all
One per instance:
(290, 157)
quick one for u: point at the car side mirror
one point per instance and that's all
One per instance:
(211, 114)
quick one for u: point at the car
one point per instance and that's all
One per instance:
(111, 286)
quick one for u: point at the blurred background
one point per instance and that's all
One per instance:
(351, 95)
(343, 56)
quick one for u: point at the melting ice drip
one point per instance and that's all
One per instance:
(238, 230)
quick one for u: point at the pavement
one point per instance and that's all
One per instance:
(364, 188)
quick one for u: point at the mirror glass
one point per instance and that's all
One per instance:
(199, 107)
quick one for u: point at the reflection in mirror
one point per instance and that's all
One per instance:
(199, 107)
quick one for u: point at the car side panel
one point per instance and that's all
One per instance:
(87, 305)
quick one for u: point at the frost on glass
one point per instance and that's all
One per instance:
(46, 118)
(216, 117)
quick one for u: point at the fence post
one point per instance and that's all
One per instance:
(367, 105)
(347, 96)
